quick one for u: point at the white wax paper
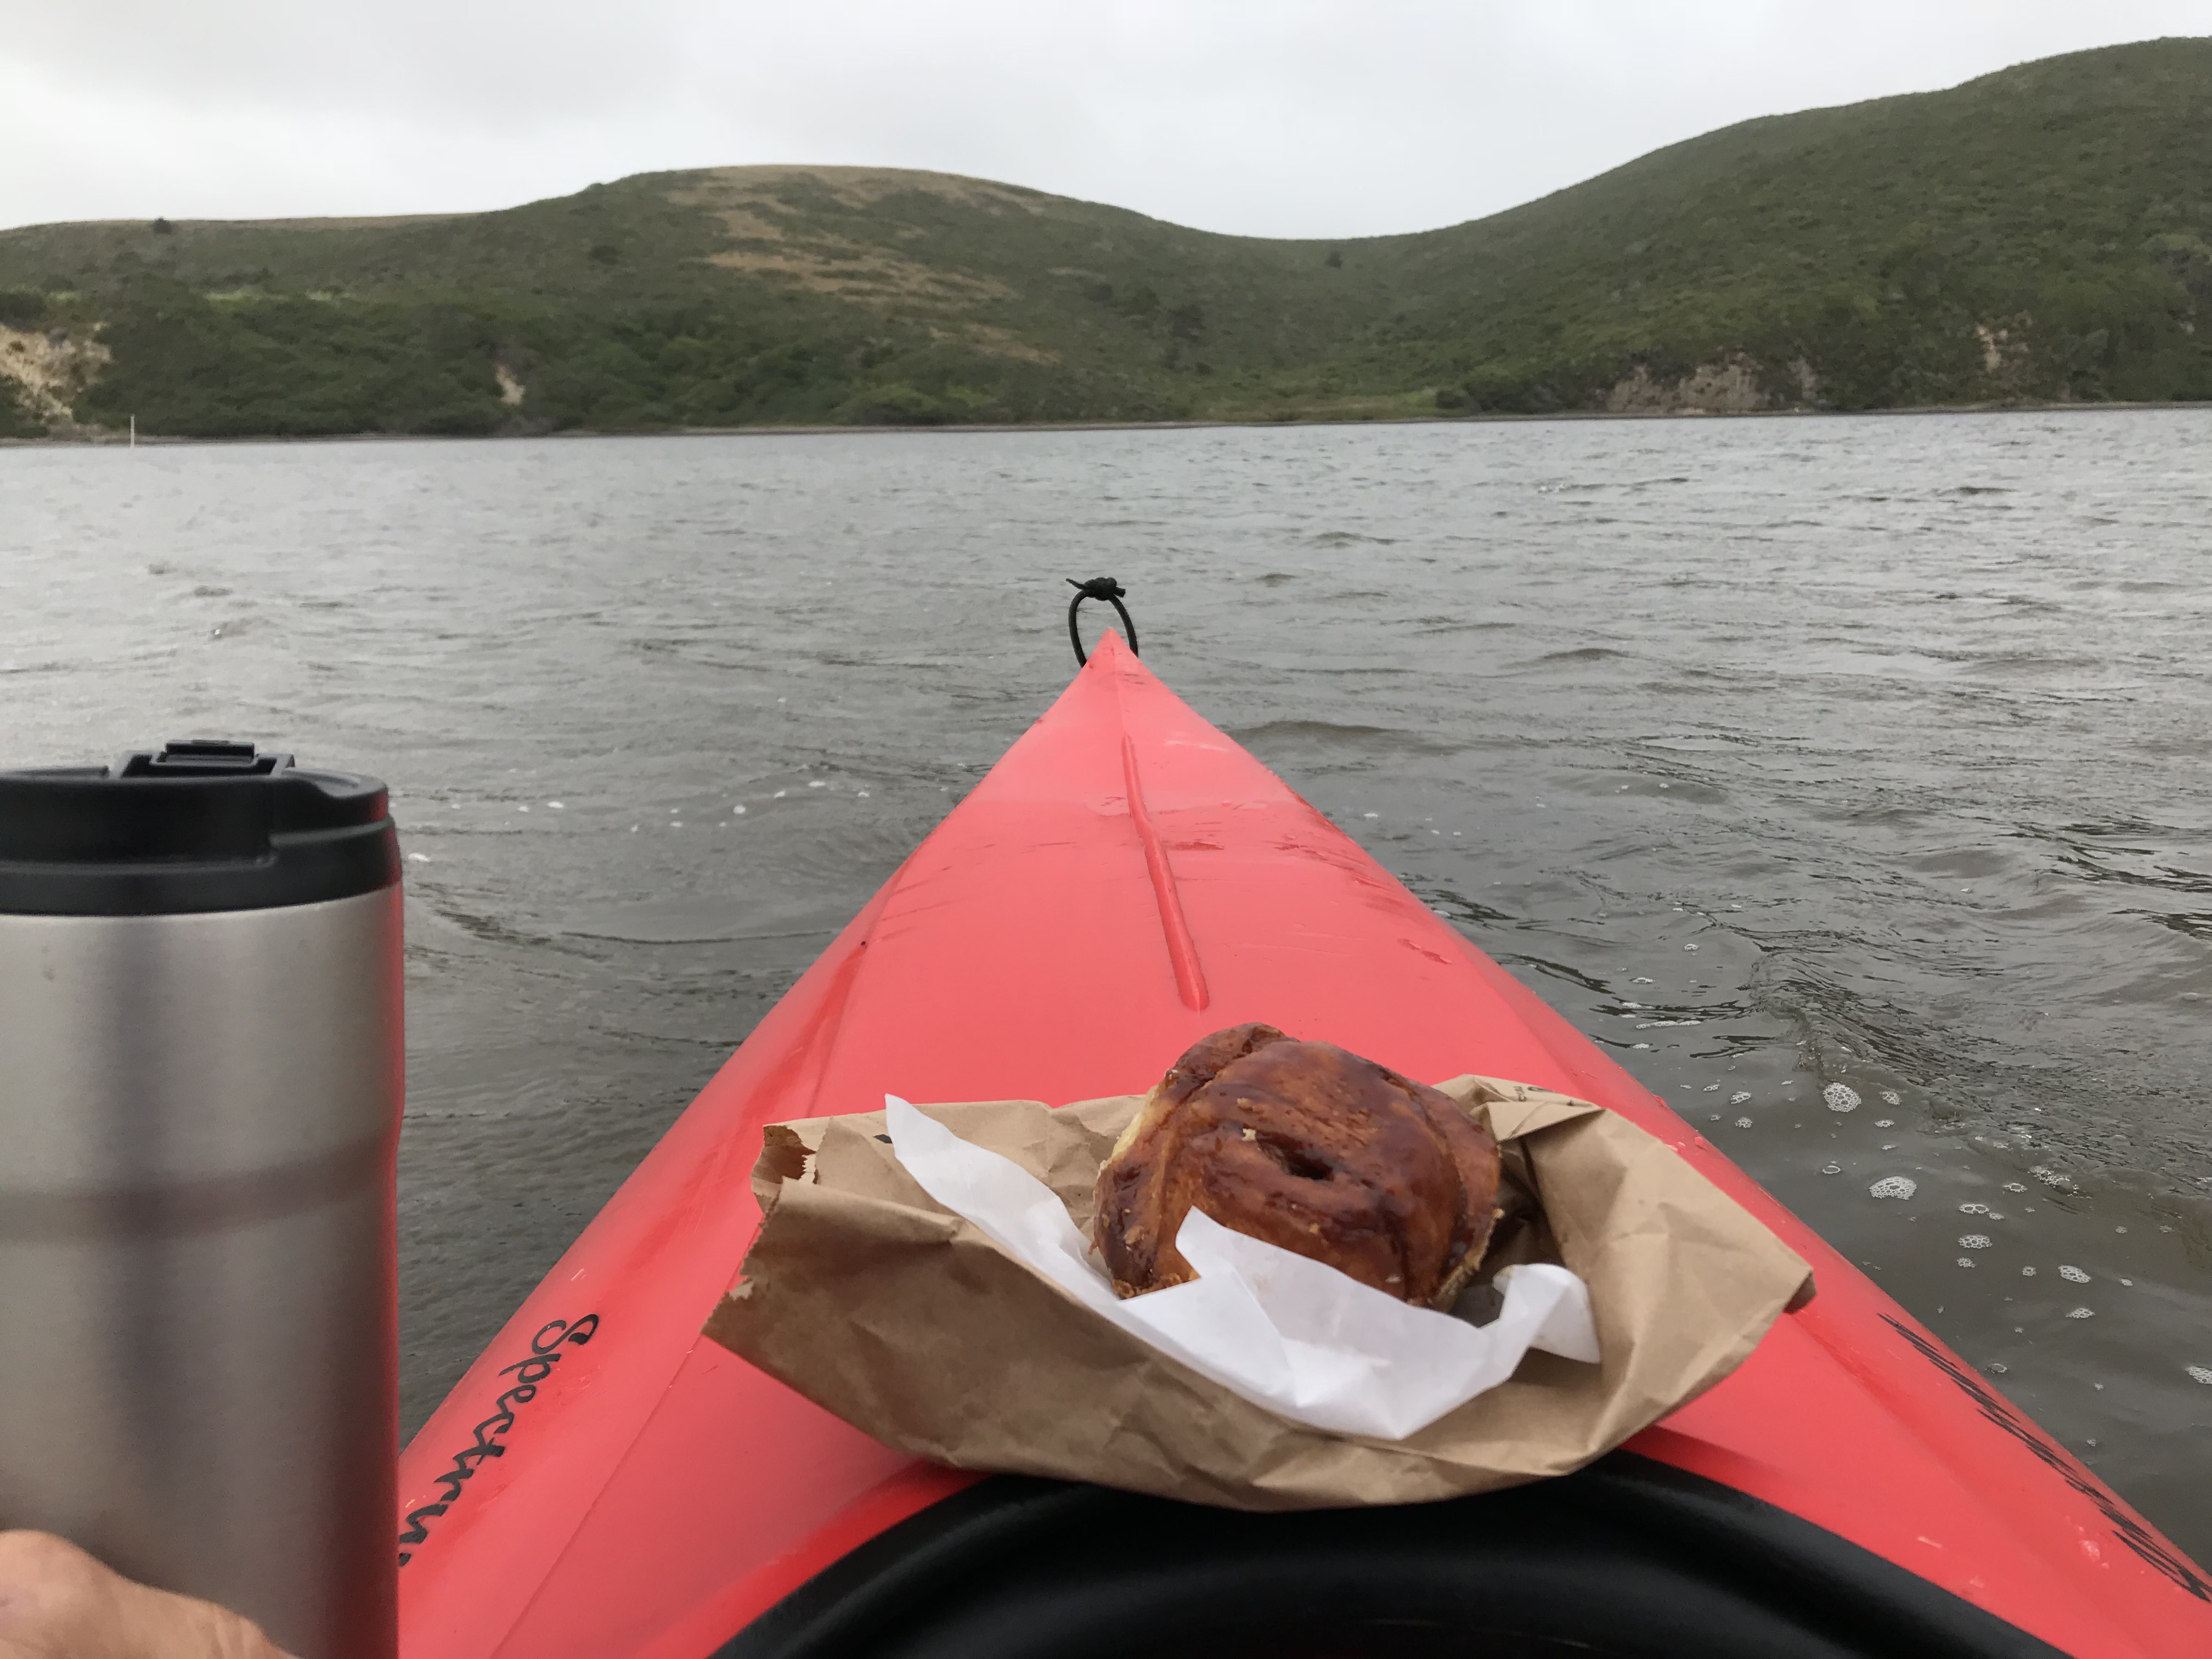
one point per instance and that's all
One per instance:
(1285, 1332)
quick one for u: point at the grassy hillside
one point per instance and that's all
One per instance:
(2043, 233)
(2046, 232)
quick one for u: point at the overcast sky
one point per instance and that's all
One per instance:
(1276, 118)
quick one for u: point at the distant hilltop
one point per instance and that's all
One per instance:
(2041, 235)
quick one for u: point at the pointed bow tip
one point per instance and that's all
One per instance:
(1111, 656)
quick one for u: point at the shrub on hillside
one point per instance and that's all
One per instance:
(291, 368)
(16, 421)
(897, 405)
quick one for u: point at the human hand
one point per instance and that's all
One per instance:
(58, 1603)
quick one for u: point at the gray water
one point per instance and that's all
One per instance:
(1777, 754)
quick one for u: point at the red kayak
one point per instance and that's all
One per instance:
(605, 1482)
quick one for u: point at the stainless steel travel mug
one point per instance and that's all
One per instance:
(201, 1078)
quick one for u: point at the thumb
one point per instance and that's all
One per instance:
(58, 1602)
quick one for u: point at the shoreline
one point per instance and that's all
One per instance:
(102, 438)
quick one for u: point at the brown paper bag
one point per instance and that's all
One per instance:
(866, 1297)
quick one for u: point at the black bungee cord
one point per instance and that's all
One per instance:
(1098, 587)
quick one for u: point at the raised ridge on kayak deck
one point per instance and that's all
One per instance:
(604, 1481)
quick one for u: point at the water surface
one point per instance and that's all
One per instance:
(1807, 764)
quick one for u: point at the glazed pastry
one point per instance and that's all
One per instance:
(1307, 1147)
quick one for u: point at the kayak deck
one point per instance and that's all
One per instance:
(604, 1481)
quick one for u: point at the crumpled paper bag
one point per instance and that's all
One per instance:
(1272, 1327)
(870, 1298)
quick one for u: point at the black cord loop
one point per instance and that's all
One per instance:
(1098, 587)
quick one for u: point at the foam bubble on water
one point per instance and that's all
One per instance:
(1974, 1209)
(1832, 1169)
(1893, 1187)
(819, 783)
(556, 805)
(780, 794)
(1997, 1215)
(1885, 1123)
(2073, 1275)
(522, 809)
(1973, 1241)
(2201, 1373)
(1371, 814)
(1841, 1097)
(1998, 1366)
(2081, 1313)
(1965, 1262)
(862, 794)
(2014, 1187)
(1743, 1123)
(1641, 980)
(739, 810)
(1739, 1096)
(1712, 1088)
(1689, 947)
(2027, 1273)
(1891, 1097)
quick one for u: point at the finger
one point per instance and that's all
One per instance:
(58, 1602)
(153, 1624)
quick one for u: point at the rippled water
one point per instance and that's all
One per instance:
(1848, 777)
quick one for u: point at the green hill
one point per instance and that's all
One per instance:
(2041, 234)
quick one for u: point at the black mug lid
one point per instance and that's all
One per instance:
(202, 825)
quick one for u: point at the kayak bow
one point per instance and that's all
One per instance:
(604, 1481)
